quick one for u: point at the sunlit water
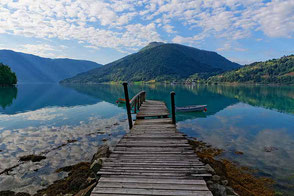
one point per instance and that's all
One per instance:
(40, 119)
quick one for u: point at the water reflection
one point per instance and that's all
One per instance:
(280, 98)
(30, 177)
(31, 97)
(185, 95)
(7, 95)
(242, 127)
(35, 118)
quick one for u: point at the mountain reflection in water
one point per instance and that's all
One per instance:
(34, 118)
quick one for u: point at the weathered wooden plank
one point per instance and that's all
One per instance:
(150, 102)
(153, 107)
(158, 181)
(153, 149)
(199, 169)
(156, 139)
(160, 174)
(155, 152)
(153, 132)
(151, 172)
(151, 114)
(155, 156)
(151, 141)
(152, 145)
(155, 113)
(154, 136)
(156, 168)
(152, 159)
(151, 192)
(153, 127)
(153, 164)
(196, 187)
(111, 194)
(153, 121)
(155, 177)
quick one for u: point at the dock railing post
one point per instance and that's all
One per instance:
(172, 96)
(125, 84)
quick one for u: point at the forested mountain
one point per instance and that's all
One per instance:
(275, 71)
(7, 77)
(34, 69)
(159, 62)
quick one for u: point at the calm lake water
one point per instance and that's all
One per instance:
(68, 123)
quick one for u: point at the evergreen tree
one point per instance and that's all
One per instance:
(7, 77)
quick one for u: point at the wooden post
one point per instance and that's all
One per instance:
(172, 96)
(128, 104)
(138, 103)
(135, 108)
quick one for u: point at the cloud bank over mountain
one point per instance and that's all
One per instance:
(128, 25)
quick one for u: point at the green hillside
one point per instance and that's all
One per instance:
(7, 77)
(157, 62)
(275, 71)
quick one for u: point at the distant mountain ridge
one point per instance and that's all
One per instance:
(34, 69)
(157, 61)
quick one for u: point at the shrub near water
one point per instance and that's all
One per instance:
(7, 77)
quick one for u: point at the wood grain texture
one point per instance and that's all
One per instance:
(152, 159)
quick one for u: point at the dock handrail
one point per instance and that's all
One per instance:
(137, 101)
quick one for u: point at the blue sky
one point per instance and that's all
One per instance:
(243, 31)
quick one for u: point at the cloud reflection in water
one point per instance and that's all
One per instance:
(249, 129)
(30, 177)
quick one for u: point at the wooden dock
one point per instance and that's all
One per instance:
(152, 159)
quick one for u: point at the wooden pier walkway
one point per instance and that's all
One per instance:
(152, 159)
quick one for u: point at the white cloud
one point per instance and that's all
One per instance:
(44, 50)
(169, 29)
(190, 40)
(229, 47)
(226, 47)
(92, 47)
(126, 25)
(276, 19)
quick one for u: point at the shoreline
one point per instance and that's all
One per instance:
(182, 83)
(241, 179)
(228, 178)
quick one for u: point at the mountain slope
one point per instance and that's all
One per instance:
(159, 62)
(151, 45)
(34, 69)
(272, 71)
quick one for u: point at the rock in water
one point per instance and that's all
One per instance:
(96, 165)
(270, 148)
(32, 157)
(103, 151)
